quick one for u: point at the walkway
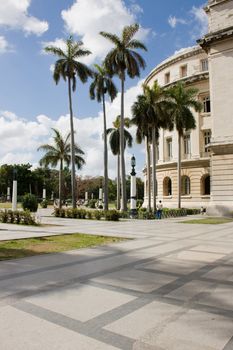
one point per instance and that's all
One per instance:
(169, 289)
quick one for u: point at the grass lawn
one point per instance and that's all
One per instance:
(20, 248)
(8, 205)
(210, 221)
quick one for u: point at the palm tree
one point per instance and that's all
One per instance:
(140, 120)
(149, 115)
(114, 141)
(124, 60)
(70, 68)
(101, 85)
(158, 117)
(181, 102)
(60, 152)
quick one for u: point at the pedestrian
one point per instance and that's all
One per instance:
(159, 210)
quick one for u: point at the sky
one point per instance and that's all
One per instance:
(30, 102)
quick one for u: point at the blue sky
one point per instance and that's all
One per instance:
(30, 102)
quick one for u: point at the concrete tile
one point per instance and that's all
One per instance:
(80, 302)
(22, 331)
(205, 293)
(138, 322)
(193, 330)
(217, 248)
(173, 266)
(197, 256)
(221, 273)
(135, 279)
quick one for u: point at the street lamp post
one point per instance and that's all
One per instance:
(133, 190)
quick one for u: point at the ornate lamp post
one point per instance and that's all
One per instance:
(14, 191)
(133, 199)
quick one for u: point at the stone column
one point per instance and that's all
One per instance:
(100, 196)
(8, 197)
(44, 194)
(14, 196)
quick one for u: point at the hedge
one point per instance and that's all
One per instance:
(17, 217)
(108, 215)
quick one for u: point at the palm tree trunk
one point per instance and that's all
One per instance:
(154, 167)
(73, 179)
(122, 150)
(105, 159)
(148, 174)
(60, 184)
(118, 183)
(179, 171)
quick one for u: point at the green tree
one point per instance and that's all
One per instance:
(182, 101)
(124, 60)
(60, 152)
(70, 68)
(101, 85)
(114, 141)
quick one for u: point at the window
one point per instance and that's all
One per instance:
(207, 138)
(169, 148)
(183, 71)
(206, 104)
(185, 186)
(204, 65)
(187, 145)
(167, 78)
(167, 186)
(205, 185)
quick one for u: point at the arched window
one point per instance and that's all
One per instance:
(185, 186)
(205, 185)
(167, 186)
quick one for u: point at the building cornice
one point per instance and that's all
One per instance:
(213, 3)
(173, 59)
(211, 38)
(190, 80)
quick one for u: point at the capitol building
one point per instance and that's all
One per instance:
(207, 151)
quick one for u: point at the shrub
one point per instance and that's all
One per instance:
(139, 203)
(4, 216)
(89, 214)
(97, 214)
(124, 214)
(111, 215)
(92, 203)
(17, 217)
(30, 203)
(44, 204)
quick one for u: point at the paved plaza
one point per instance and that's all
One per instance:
(170, 288)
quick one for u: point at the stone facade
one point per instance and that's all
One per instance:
(207, 154)
(191, 67)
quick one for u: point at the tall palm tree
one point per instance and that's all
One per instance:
(149, 115)
(158, 117)
(124, 60)
(70, 68)
(182, 100)
(141, 121)
(114, 141)
(60, 152)
(101, 85)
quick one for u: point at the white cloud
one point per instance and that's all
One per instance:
(201, 19)
(4, 45)
(14, 15)
(22, 146)
(87, 18)
(173, 21)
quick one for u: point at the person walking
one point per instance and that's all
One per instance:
(159, 210)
